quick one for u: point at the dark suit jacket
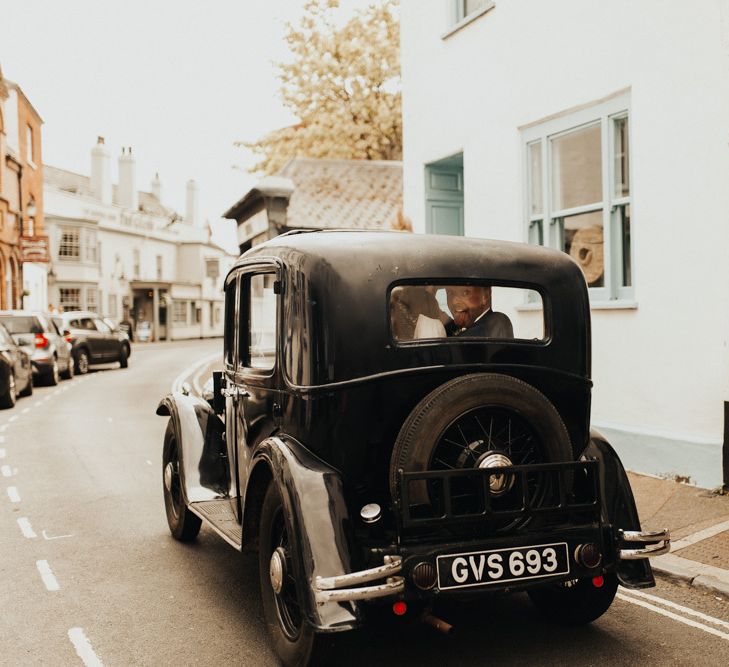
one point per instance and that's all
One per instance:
(491, 325)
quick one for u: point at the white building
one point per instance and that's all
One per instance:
(120, 252)
(602, 129)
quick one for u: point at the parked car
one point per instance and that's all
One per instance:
(51, 357)
(383, 435)
(94, 341)
(16, 372)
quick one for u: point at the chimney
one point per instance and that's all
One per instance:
(101, 172)
(191, 207)
(127, 193)
(156, 187)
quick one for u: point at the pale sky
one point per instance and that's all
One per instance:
(177, 80)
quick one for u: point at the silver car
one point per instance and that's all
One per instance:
(51, 350)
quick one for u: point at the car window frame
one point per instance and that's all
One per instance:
(245, 374)
(460, 340)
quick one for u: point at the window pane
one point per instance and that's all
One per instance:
(536, 232)
(262, 323)
(471, 6)
(582, 239)
(621, 163)
(623, 221)
(576, 168)
(475, 310)
(535, 178)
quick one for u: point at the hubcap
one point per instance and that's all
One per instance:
(498, 484)
(277, 569)
(169, 472)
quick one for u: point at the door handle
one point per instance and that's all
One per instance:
(231, 392)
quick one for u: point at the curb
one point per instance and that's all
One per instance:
(683, 571)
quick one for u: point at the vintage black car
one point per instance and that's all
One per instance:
(381, 433)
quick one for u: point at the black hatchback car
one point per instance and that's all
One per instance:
(95, 341)
(402, 418)
(16, 372)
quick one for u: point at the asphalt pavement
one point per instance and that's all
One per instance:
(90, 574)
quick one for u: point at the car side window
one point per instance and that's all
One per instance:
(257, 321)
(229, 333)
(86, 323)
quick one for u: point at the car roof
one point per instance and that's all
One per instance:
(79, 313)
(341, 280)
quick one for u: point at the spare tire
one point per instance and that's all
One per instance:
(479, 421)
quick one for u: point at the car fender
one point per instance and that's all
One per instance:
(618, 507)
(204, 466)
(313, 496)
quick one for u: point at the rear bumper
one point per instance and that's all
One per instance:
(392, 579)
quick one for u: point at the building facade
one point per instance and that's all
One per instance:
(21, 198)
(599, 129)
(121, 252)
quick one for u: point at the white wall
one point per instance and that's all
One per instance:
(662, 367)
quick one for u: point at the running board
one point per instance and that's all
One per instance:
(219, 515)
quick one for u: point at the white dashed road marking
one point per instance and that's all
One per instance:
(47, 575)
(2, 453)
(26, 411)
(26, 528)
(7, 471)
(12, 419)
(13, 494)
(83, 648)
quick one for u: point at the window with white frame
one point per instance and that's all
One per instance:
(578, 193)
(158, 263)
(69, 247)
(179, 311)
(467, 9)
(92, 299)
(70, 298)
(29, 152)
(90, 245)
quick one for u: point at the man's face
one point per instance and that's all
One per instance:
(466, 303)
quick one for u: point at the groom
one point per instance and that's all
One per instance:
(470, 306)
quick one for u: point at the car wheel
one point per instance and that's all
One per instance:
(69, 372)
(28, 391)
(184, 525)
(8, 399)
(82, 362)
(575, 602)
(53, 377)
(481, 421)
(294, 640)
(123, 357)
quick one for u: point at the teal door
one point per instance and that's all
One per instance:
(444, 196)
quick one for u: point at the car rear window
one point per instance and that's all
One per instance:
(21, 324)
(475, 310)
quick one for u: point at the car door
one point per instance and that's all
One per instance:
(107, 340)
(94, 339)
(253, 382)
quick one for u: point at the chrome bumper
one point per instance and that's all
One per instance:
(339, 588)
(657, 542)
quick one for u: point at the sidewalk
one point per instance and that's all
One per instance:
(699, 524)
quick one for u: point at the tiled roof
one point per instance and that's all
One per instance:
(364, 194)
(79, 184)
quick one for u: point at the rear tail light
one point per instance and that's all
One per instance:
(40, 340)
(67, 338)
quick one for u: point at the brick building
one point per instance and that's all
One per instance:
(21, 196)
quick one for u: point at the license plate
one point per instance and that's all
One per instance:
(497, 566)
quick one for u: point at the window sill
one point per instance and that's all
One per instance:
(614, 305)
(594, 305)
(468, 19)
